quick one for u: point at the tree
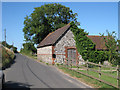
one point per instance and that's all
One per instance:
(111, 44)
(46, 19)
(28, 48)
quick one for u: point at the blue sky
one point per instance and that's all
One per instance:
(94, 17)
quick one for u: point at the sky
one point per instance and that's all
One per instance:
(94, 17)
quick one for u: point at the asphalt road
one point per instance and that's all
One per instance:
(28, 73)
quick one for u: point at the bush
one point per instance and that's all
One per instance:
(7, 57)
(10, 46)
(57, 64)
(47, 63)
(98, 56)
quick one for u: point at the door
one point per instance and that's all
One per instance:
(71, 56)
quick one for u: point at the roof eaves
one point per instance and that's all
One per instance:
(44, 46)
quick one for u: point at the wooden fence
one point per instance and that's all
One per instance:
(87, 68)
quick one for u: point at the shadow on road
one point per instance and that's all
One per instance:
(16, 85)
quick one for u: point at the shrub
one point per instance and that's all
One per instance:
(57, 64)
(98, 56)
(47, 63)
(7, 57)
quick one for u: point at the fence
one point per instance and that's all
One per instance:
(104, 75)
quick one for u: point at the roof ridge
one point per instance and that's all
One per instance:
(63, 26)
(55, 31)
(52, 37)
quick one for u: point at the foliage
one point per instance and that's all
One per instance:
(98, 56)
(10, 46)
(7, 45)
(28, 48)
(46, 19)
(47, 63)
(118, 52)
(119, 45)
(111, 44)
(7, 57)
(86, 47)
(83, 43)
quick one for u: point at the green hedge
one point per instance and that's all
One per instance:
(98, 56)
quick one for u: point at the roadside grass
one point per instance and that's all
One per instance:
(90, 81)
(103, 77)
(29, 55)
(104, 70)
(113, 73)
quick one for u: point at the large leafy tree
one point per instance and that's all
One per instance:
(46, 19)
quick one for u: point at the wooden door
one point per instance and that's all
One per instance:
(71, 56)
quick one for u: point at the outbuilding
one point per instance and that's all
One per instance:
(60, 45)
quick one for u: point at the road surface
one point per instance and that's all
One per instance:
(28, 73)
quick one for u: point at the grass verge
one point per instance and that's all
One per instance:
(90, 81)
(29, 55)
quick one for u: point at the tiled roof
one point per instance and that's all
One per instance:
(99, 41)
(51, 38)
